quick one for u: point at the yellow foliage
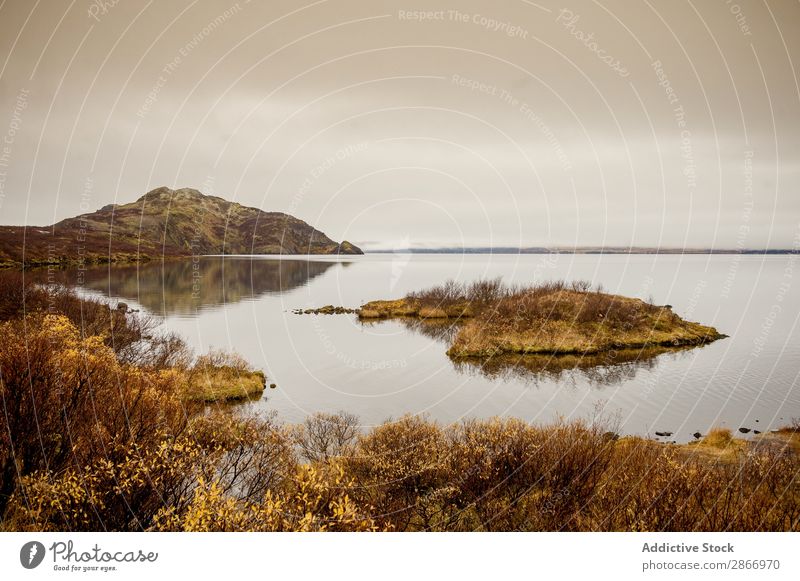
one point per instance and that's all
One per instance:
(90, 443)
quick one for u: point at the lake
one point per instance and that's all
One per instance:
(383, 370)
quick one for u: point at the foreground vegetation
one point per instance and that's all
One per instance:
(134, 339)
(549, 318)
(97, 434)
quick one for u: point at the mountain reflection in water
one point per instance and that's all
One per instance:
(185, 287)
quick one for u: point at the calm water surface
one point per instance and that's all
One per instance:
(383, 370)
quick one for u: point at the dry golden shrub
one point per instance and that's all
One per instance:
(68, 401)
(396, 467)
(323, 437)
(315, 501)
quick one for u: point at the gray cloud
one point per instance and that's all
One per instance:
(427, 123)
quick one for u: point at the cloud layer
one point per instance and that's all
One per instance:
(513, 123)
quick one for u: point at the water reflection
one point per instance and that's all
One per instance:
(726, 383)
(442, 330)
(597, 369)
(185, 287)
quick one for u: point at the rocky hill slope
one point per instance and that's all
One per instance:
(164, 223)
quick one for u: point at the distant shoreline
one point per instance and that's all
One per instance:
(583, 250)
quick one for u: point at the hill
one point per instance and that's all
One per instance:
(164, 223)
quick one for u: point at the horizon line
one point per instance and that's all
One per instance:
(576, 250)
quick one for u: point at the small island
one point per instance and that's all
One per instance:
(554, 318)
(221, 377)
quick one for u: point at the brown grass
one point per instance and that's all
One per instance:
(720, 438)
(220, 376)
(549, 318)
(718, 445)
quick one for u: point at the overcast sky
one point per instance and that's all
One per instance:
(664, 123)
